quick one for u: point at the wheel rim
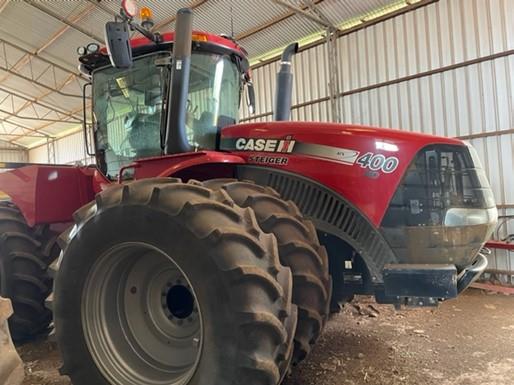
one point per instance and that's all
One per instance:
(140, 317)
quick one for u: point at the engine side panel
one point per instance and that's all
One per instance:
(364, 165)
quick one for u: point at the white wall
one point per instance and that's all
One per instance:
(12, 153)
(67, 150)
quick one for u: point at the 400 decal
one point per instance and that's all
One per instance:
(378, 162)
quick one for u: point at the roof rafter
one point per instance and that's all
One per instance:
(37, 56)
(320, 14)
(4, 4)
(46, 105)
(270, 23)
(301, 11)
(84, 13)
(63, 20)
(23, 127)
(36, 80)
(10, 146)
(56, 87)
(75, 111)
(18, 136)
(171, 19)
(38, 83)
(26, 59)
(99, 5)
(41, 127)
(39, 119)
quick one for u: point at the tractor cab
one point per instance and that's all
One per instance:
(131, 103)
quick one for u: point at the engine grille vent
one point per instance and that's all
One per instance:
(329, 212)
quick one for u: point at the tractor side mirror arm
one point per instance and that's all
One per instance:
(250, 92)
(85, 125)
(251, 98)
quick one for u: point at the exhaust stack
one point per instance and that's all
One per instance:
(283, 94)
(176, 140)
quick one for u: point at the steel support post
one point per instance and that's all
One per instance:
(333, 70)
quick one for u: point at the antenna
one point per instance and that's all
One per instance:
(231, 20)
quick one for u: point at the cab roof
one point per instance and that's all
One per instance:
(142, 45)
(197, 36)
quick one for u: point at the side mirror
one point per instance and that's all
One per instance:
(250, 97)
(117, 39)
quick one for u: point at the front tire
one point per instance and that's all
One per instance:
(163, 282)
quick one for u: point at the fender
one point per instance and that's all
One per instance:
(49, 194)
(330, 212)
(173, 165)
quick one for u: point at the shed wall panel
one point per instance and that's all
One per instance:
(429, 70)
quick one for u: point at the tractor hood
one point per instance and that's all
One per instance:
(333, 133)
(363, 164)
(429, 196)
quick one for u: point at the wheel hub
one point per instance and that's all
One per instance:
(178, 303)
(141, 318)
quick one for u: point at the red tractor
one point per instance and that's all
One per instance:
(202, 251)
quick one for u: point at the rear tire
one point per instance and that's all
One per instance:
(106, 325)
(299, 249)
(23, 274)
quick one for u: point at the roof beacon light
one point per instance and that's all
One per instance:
(129, 7)
(145, 14)
(199, 37)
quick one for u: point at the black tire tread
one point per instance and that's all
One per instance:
(299, 249)
(27, 282)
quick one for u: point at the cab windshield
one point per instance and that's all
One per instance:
(129, 106)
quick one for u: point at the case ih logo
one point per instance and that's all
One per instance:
(375, 162)
(266, 145)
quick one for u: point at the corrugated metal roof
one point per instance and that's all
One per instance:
(218, 16)
(66, 47)
(29, 24)
(279, 35)
(261, 25)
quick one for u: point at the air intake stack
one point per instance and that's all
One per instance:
(176, 140)
(282, 110)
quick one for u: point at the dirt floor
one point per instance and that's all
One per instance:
(468, 341)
